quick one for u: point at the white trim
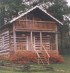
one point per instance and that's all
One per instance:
(51, 16)
(14, 19)
(23, 14)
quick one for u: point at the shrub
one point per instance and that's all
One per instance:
(23, 57)
(56, 58)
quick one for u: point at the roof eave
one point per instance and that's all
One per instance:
(14, 19)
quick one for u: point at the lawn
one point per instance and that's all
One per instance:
(52, 68)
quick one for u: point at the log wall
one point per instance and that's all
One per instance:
(35, 25)
(11, 33)
(11, 39)
(4, 40)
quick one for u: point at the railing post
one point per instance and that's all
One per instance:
(14, 37)
(56, 40)
(47, 54)
(31, 39)
(41, 39)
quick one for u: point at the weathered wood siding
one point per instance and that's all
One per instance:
(21, 41)
(4, 40)
(11, 37)
(28, 24)
(32, 22)
(35, 25)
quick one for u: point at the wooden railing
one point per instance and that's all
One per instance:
(46, 53)
(37, 25)
(37, 54)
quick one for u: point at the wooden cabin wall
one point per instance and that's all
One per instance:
(35, 23)
(18, 40)
(4, 40)
(11, 36)
(21, 29)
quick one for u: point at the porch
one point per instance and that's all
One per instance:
(43, 44)
(36, 41)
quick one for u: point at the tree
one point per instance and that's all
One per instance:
(2, 16)
(64, 46)
(58, 9)
(11, 8)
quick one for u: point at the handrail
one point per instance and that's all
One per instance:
(46, 53)
(44, 50)
(35, 50)
(37, 53)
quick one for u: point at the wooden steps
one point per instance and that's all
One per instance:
(42, 58)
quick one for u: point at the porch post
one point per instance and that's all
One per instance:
(14, 37)
(40, 39)
(56, 40)
(27, 42)
(31, 40)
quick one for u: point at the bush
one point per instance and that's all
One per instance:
(21, 57)
(56, 59)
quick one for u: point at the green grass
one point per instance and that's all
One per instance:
(56, 68)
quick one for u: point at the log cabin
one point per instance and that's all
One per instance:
(35, 30)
